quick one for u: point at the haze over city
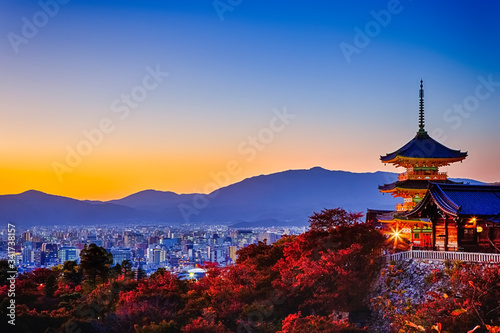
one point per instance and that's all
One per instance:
(102, 99)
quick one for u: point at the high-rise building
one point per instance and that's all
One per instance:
(232, 253)
(28, 255)
(49, 253)
(66, 253)
(38, 257)
(120, 255)
(26, 236)
(159, 256)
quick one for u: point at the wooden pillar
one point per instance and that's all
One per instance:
(446, 232)
(476, 240)
(460, 234)
(433, 220)
(491, 237)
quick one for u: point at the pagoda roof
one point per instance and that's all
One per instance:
(392, 220)
(422, 146)
(460, 199)
(412, 185)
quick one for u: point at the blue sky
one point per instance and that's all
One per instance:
(225, 78)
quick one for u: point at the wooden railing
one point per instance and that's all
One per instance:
(422, 175)
(405, 206)
(444, 255)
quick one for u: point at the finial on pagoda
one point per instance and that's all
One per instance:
(421, 109)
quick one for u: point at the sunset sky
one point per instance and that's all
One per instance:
(101, 99)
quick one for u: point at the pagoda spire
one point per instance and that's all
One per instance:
(421, 110)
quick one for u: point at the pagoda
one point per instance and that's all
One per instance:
(422, 157)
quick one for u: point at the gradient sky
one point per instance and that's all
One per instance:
(226, 81)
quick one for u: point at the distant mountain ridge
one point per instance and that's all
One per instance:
(286, 197)
(153, 200)
(38, 208)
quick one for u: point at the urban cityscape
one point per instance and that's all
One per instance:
(176, 249)
(249, 166)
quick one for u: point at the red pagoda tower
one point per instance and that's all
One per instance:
(422, 157)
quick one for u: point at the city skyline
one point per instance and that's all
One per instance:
(101, 100)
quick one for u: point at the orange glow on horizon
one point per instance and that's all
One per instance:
(107, 178)
(117, 169)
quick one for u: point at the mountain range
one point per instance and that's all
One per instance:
(283, 198)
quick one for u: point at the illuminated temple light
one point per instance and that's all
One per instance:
(422, 167)
(395, 235)
(472, 222)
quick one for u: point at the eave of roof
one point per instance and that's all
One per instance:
(422, 146)
(411, 184)
(397, 220)
(465, 200)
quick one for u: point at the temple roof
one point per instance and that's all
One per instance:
(412, 184)
(424, 147)
(456, 199)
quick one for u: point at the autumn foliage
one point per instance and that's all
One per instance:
(304, 283)
(463, 297)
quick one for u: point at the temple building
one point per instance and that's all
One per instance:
(422, 157)
(437, 213)
(463, 217)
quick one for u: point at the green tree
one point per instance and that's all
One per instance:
(162, 327)
(71, 273)
(330, 219)
(116, 271)
(159, 272)
(127, 269)
(50, 286)
(95, 262)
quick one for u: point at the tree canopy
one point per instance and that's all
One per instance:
(303, 283)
